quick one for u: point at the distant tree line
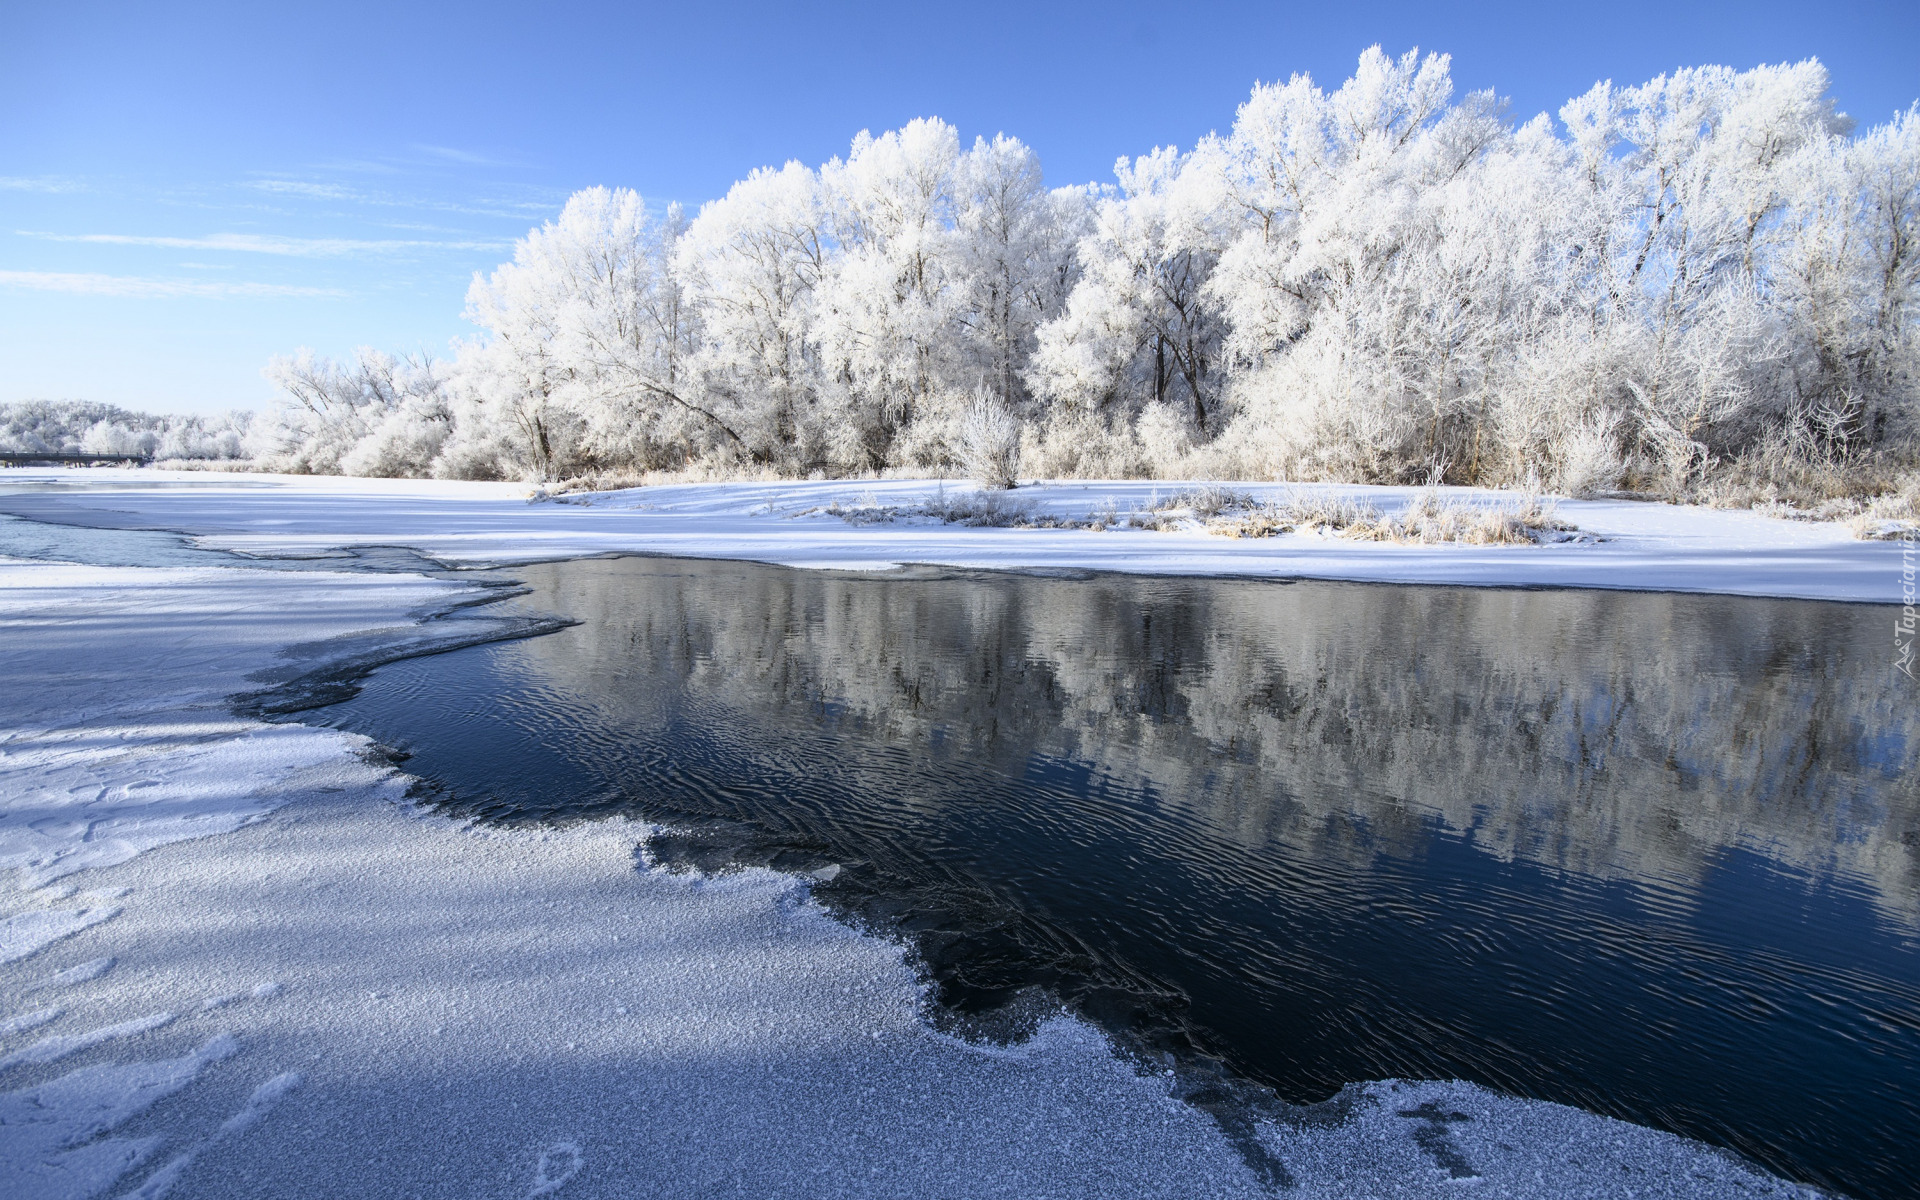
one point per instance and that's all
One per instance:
(81, 427)
(1711, 276)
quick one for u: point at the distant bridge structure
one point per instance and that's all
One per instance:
(10, 459)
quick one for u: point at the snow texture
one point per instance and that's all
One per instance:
(23, 934)
(264, 1098)
(52, 1132)
(52, 1049)
(26, 1021)
(139, 748)
(406, 1006)
(72, 975)
(1640, 545)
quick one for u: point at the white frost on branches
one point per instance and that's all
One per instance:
(1378, 282)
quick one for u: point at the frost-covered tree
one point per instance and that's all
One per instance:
(588, 340)
(848, 314)
(1138, 327)
(750, 264)
(1391, 251)
(1016, 256)
(889, 300)
(1690, 178)
(1846, 278)
(373, 415)
(1704, 276)
(1349, 301)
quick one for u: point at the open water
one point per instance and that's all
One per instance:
(1653, 855)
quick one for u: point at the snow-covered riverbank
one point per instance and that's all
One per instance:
(1636, 545)
(236, 963)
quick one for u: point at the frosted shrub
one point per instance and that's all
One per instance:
(404, 443)
(1893, 517)
(1208, 501)
(1166, 439)
(1078, 444)
(200, 439)
(1475, 524)
(992, 509)
(867, 510)
(1323, 510)
(1586, 459)
(989, 443)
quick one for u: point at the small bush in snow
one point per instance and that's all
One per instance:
(989, 442)
(1208, 501)
(991, 509)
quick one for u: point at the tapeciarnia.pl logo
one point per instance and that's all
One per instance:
(1904, 627)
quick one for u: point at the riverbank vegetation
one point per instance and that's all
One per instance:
(1704, 287)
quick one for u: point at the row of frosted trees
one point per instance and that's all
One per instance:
(1707, 275)
(83, 427)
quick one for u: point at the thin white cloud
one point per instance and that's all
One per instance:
(357, 166)
(468, 157)
(15, 183)
(512, 210)
(253, 243)
(147, 289)
(298, 187)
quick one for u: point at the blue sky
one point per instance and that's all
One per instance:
(186, 189)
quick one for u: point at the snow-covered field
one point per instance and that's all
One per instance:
(337, 995)
(1646, 546)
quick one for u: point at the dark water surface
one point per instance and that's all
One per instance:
(1653, 855)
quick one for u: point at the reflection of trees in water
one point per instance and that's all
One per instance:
(1614, 734)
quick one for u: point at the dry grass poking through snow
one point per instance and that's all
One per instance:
(1891, 517)
(1528, 520)
(981, 509)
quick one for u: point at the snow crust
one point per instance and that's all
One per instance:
(340, 995)
(1642, 546)
(115, 730)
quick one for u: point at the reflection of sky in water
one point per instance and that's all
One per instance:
(1650, 854)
